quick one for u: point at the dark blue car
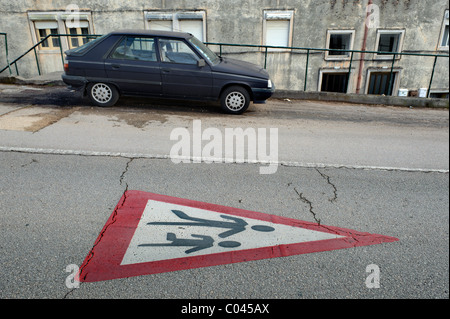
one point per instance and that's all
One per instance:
(163, 64)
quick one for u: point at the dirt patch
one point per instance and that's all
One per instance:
(32, 118)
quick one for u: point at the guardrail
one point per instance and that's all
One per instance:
(33, 48)
(308, 51)
(6, 51)
(264, 48)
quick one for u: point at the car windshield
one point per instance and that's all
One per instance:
(82, 49)
(206, 52)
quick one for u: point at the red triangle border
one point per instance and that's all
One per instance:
(103, 261)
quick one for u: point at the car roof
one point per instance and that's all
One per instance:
(157, 33)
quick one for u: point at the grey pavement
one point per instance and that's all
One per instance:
(66, 164)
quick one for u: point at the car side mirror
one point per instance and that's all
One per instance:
(201, 63)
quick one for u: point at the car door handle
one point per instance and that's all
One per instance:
(115, 66)
(165, 70)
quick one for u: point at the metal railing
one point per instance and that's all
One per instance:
(265, 49)
(33, 48)
(6, 50)
(308, 52)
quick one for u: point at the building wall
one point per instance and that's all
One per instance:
(244, 22)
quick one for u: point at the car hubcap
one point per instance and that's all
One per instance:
(235, 101)
(101, 93)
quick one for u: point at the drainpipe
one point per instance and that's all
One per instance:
(363, 54)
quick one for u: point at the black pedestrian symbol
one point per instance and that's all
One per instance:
(197, 244)
(200, 242)
(236, 225)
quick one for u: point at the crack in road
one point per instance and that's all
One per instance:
(308, 202)
(105, 228)
(122, 176)
(327, 178)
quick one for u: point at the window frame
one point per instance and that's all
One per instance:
(161, 57)
(396, 85)
(323, 71)
(278, 15)
(175, 18)
(125, 38)
(60, 18)
(78, 36)
(51, 43)
(445, 24)
(345, 56)
(380, 32)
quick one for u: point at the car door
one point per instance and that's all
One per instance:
(181, 73)
(134, 66)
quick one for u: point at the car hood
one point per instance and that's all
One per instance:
(233, 66)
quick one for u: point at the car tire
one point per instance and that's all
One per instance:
(235, 100)
(102, 94)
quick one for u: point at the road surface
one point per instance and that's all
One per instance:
(381, 170)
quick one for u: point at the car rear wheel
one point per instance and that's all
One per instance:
(235, 100)
(103, 94)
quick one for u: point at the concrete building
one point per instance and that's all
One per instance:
(391, 26)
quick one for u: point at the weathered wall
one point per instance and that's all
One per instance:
(241, 22)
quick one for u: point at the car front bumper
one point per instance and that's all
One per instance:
(261, 95)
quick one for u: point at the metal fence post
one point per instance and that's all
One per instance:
(306, 70)
(60, 50)
(349, 71)
(265, 58)
(432, 75)
(390, 76)
(6, 51)
(37, 61)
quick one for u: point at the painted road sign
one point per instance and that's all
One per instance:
(149, 233)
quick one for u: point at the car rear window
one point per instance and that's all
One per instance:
(86, 47)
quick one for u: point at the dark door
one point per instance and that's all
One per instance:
(381, 83)
(134, 66)
(181, 74)
(334, 82)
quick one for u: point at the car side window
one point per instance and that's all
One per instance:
(136, 48)
(177, 51)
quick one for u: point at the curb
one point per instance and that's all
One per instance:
(49, 79)
(363, 99)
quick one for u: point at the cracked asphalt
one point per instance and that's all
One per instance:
(63, 176)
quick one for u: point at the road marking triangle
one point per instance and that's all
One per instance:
(202, 231)
(150, 233)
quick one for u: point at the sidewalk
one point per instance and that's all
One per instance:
(54, 78)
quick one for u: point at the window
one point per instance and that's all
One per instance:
(334, 82)
(389, 41)
(379, 83)
(177, 51)
(78, 39)
(277, 29)
(45, 28)
(443, 41)
(339, 40)
(191, 22)
(211, 56)
(438, 94)
(43, 24)
(133, 48)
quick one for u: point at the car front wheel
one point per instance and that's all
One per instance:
(235, 100)
(102, 94)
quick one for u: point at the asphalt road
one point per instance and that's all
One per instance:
(384, 170)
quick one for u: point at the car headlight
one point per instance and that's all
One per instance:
(269, 84)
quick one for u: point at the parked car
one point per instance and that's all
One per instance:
(163, 64)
